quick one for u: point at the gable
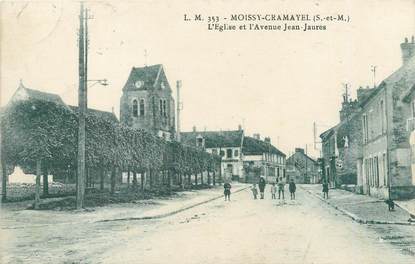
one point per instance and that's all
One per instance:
(147, 78)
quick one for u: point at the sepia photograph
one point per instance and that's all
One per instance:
(207, 131)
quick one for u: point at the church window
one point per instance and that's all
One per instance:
(142, 107)
(164, 108)
(161, 107)
(135, 108)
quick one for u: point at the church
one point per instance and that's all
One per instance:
(147, 102)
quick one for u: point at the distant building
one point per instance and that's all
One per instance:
(261, 158)
(227, 144)
(147, 102)
(302, 168)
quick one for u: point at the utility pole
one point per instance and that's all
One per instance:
(82, 97)
(179, 108)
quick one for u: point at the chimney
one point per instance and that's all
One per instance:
(256, 136)
(408, 50)
(267, 139)
(239, 127)
(194, 129)
(301, 150)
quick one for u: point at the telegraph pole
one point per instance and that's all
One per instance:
(82, 97)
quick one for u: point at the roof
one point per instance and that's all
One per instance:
(24, 93)
(328, 132)
(109, 116)
(289, 160)
(253, 146)
(214, 139)
(151, 76)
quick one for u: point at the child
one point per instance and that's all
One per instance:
(391, 204)
(292, 189)
(254, 191)
(325, 190)
(273, 191)
(227, 191)
(281, 186)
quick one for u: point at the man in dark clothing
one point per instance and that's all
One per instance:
(227, 191)
(325, 190)
(292, 189)
(261, 186)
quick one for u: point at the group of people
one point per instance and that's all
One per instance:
(274, 187)
(280, 186)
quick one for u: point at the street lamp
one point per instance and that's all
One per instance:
(103, 82)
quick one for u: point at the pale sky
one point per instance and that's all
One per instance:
(279, 83)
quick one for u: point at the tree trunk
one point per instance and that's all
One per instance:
(189, 179)
(3, 178)
(208, 174)
(128, 179)
(101, 183)
(142, 174)
(37, 189)
(45, 182)
(135, 183)
(113, 180)
(214, 177)
(196, 179)
(151, 178)
(169, 179)
(201, 177)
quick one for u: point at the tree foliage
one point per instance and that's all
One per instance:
(39, 130)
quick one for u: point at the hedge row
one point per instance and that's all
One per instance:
(35, 130)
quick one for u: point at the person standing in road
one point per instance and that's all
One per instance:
(273, 191)
(292, 189)
(281, 186)
(227, 191)
(325, 190)
(254, 191)
(262, 186)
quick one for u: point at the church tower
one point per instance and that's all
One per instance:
(147, 102)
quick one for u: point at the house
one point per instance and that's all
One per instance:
(302, 168)
(261, 158)
(342, 144)
(387, 125)
(147, 101)
(227, 144)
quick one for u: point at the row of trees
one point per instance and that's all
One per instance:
(40, 136)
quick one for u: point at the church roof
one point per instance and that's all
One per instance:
(24, 93)
(150, 76)
(214, 139)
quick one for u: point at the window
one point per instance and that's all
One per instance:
(236, 153)
(135, 108)
(222, 153)
(142, 107)
(161, 107)
(413, 108)
(215, 151)
(365, 129)
(229, 153)
(164, 108)
(376, 163)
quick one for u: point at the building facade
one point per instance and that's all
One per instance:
(302, 168)
(261, 158)
(147, 102)
(386, 123)
(227, 144)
